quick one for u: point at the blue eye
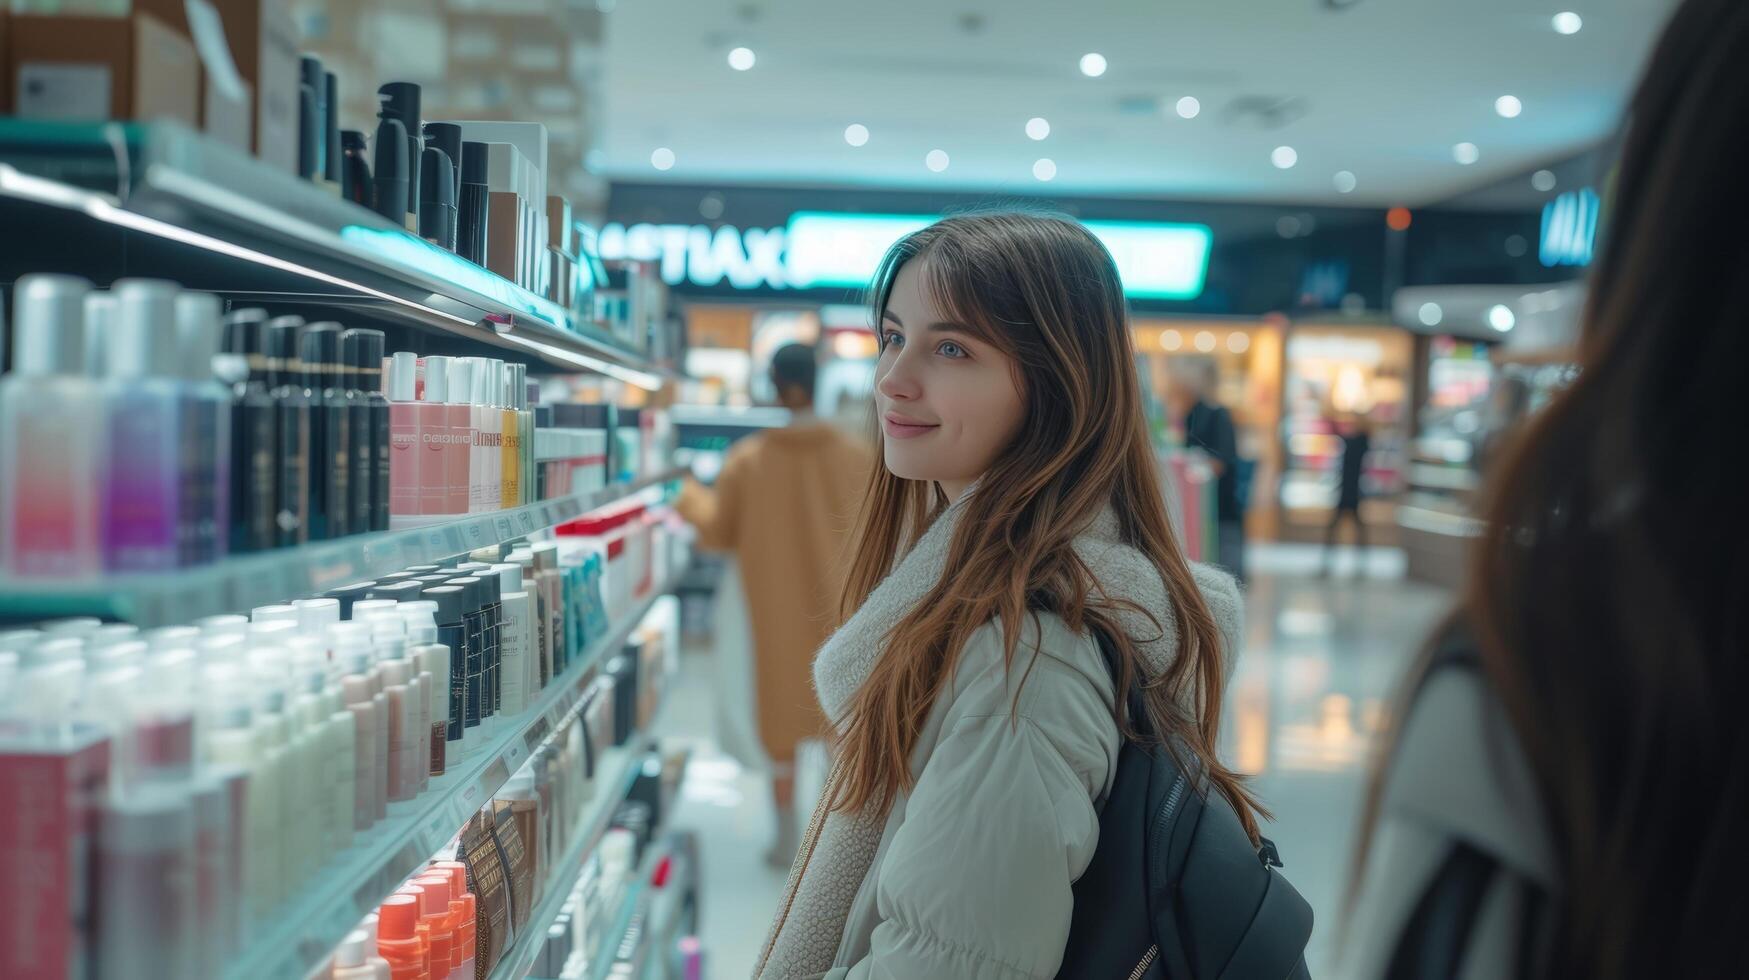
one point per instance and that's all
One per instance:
(892, 337)
(951, 350)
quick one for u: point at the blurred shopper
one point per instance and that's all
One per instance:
(1567, 793)
(1356, 443)
(1018, 511)
(1208, 426)
(784, 505)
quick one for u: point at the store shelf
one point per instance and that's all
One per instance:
(229, 223)
(260, 578)
(305, 931)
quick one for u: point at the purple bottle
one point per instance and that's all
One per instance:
(143, 527)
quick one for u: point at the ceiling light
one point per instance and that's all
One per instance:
(1170, 340)
(936, 160)
(1543, 180)
(741, 59)
(1044, 169)
(1345, 182)
(856, 134)
(1092, 65)
(1430, 314)
(1500, 317)
(1188, 107)
(1038, 128)
(1283, 157)
(1508, 106)
(1567, 22)
(1205, 341)
(1465, 153)
(662, 158)
(1238, 342)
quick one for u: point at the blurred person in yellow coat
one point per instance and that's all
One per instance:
(784, 506)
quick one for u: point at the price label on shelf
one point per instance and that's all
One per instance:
(452, 541)
(514, 754)
(434, 546)
(476, 534)
(526, 517)
(506, 530)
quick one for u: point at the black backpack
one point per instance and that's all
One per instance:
(1175, 889)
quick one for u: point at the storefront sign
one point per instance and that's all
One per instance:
(819, 249)
(1569, 228)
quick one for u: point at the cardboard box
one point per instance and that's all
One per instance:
(263, 41)
(96, 68)
(55, 784)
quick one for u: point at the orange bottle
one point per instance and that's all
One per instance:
(461, 904)
(437, 922)
(398, 938)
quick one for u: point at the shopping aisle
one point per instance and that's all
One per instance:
(1321, 659)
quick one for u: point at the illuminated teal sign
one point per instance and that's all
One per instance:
(1570, 228)
(820, 249)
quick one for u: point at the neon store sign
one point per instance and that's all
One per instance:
(820, 249)
(1570, 228)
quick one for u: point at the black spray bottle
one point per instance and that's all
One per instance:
(294, 414)
(330, 432)
(363, 451)
(473, 204)
(253, 453)
(367, 358)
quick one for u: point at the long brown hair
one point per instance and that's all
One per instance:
(1041, 289)
(1607, 599)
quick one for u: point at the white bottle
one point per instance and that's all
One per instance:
(232, 738)
(289, 748)
(356, 959)
(360, 688)
(461, 389)
(516, 641)
(433, 658)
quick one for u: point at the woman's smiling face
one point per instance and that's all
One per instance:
(949, 402)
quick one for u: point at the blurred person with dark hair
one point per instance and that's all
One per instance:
(784, 505)
(1567, 787)
(1356, 443)
(1208, 426)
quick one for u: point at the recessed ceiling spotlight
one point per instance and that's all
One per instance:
(936, 160)
(856, 134)
(1508, 106)
(1038, 127)
(1465, 153)
(662, 158)
(1093, 64)
(1205, 341)
(741, 59)
(1500, 317)
(1284, 157)
(1543, 180)
(1430, 314)
(1567, 22)
(1345, 182)
(1188, 107)
(1044, 169)
(1238, 342)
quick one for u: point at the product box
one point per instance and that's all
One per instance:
(263, 40)
(98, 68)
(530, 140)
(55, 786)
(507, 212)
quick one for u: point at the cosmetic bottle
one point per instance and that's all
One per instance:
(372, 383)
(355, 183)
(351, 381)
(230, 736)
(489, 395)
(146, 474)
(461, 390)
(352, 961)
(550, 581)
(52, 425)
(400, 102)
(402, 781)
(309, 133)
(453, 441)
(361, 688)
(253, 474)
(510, 448)
(435, 922)
(433, 658)
(145, 910)
(453, 632)
(398, 938)
(448, 138)
(437, 211)
(408, 493)
(330, 432)
(473, 203)
(295, 414)
(516, 396)
(316, 615)
(348, 595)
(286, 754)
(331, 146)
(519, 681)
(317, 700)
(474, 615)
(392, 172)
(207, 502)
(463, 905)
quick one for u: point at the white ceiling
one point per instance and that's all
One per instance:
(1383, 88)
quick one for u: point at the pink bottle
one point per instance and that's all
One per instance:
(455, 443)
(407, 490)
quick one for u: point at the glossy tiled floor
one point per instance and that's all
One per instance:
(1322, 658)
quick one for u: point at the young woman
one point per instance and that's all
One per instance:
(1567, 794)
(1016, 513)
